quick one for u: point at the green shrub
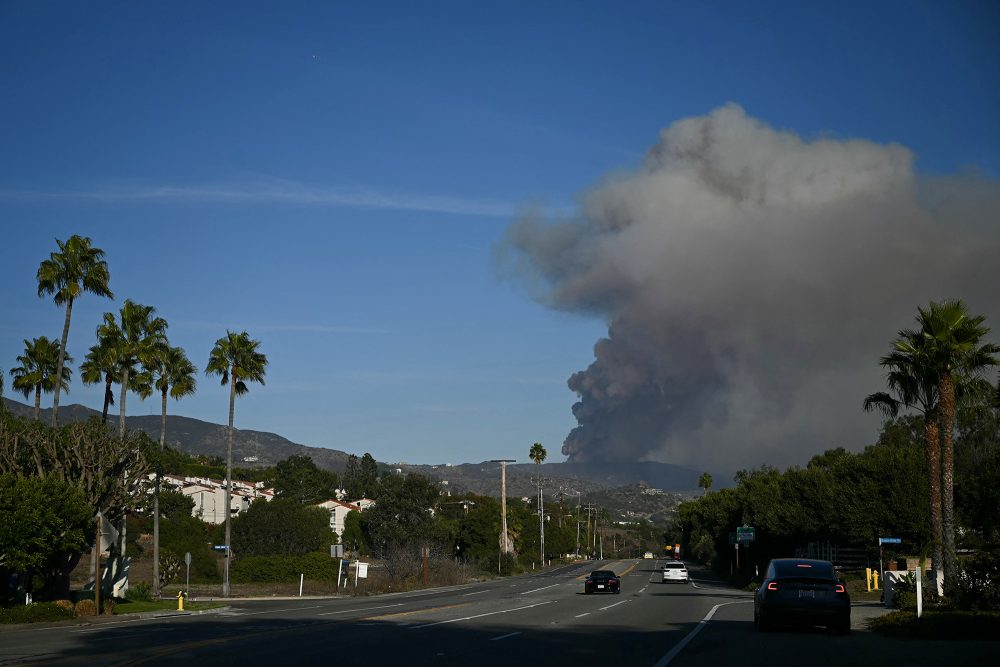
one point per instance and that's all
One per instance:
(316, 566)
(939, 625)
(140, 592)
(977, 586)
(37, 612)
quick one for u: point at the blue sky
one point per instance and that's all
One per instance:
(334, 177)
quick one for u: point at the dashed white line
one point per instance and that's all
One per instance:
(614, 605)
(348, 611)
(643, 589)
(512, 634)
(465, 595)
(586, 613)
(469, 618)
(539, 589)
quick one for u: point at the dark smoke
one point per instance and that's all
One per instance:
(751, 280)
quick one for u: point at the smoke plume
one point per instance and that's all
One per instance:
(751, 280)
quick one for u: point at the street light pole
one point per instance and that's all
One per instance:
(505, 545)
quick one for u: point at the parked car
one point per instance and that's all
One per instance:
(675, 570)
(648, 555)
(602, 581)
(799, 591)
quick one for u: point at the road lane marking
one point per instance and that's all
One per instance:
(382, 617)
(535, 590)
(586, 613)
(665, 660)
(348, 611)
(615, 604)
(512, 634)
(642, 590)
(469, 618)
(277, 611)
(694, 584)
(465, 595)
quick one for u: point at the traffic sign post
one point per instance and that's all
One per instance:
(745, 534)
(881, 541)
(187, 561)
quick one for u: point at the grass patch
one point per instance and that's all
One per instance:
(940, 625)
(138, 606)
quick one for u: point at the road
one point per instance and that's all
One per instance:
(540, 619)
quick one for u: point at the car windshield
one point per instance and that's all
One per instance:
(804, 569)
(602, 574)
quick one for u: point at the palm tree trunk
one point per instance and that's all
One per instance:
(62, 359)
(38, 401)
(229, 477)
(108, 395)
(932, 439)
(946, 390)
(121, 408)
(156, 501)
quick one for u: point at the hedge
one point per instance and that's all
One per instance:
(316, 566)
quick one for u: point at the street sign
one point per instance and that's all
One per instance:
(336, 551)
(745, 534)
(187, 558)
(889, 540)
(219, 547)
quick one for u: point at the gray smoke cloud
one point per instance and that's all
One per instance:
(751, 280)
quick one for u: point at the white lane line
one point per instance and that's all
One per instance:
(539, 589)
(665, 660)
(465, 595)
(694, 584)
(275, 611)
(642, 590)
(512, 634)
(586, 613)
(348, 611)
(615, 604)
(469, 618)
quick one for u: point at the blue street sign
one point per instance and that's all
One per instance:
(219, 547)
(889, 540)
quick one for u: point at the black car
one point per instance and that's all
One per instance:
(800, 591)
(602, 581)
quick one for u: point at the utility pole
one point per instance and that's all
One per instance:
(579, 499)
(505, 546)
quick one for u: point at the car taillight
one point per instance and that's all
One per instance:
(612, 581)
(840, 588)
(773, 586)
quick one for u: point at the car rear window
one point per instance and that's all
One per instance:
(804, 569)
(602, 574)
(675, 566)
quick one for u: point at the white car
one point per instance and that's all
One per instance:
(648, 555)
(675, 571)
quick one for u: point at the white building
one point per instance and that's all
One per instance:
(339, 510)
(209, 495)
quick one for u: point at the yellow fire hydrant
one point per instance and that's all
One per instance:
(180, 600)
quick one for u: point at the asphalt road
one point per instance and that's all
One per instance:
(541, 619)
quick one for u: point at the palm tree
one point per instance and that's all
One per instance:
(39, 369)
(955, 356)
(135, 338)
(76, 268)
(172, 373)
(538, 454)
(911, 386)
(101, 365)
(705, 482)
(236, 360)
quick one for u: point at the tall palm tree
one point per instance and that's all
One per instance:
(137, 336)
(236, 360)
(39, 369)
(912, 386)
(171, 372)
(538, 454)
(955, 355)
(705, 482)
(101, 365)
(78, 267)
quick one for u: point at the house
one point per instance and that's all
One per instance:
(209, 495)
(338, 512)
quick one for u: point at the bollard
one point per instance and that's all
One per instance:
(180, 600)
(868, 578)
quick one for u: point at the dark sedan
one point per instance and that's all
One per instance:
(799, 591)
(602, 581)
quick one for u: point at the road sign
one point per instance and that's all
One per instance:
(219, 547)
(745, 534)
(336, 551)
(889, 540)
(187, 558)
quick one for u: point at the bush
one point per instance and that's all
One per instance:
(65, 604)
(939, 625)
(86, 608)
(140, 592)
(37, 612)
(977, 586)
(316, 566)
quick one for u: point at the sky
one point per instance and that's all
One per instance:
(449, 222)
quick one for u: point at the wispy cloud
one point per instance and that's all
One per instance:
(273, 192)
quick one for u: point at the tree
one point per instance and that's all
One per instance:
(78, 267)
(137, 337)
(705, 481)
(101, 365)
(299, 479)
(41, 519)
(361, 477)
(170, 371)
(353, 538)
(236, 361)
(39, 369)
(955, 355)
(281, 527)
(538, 454)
